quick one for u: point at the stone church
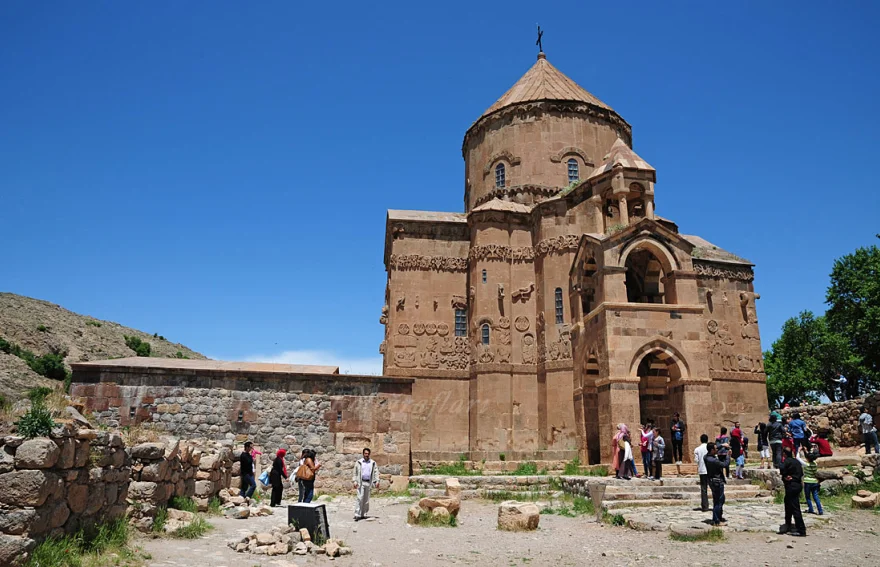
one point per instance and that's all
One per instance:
(559, 304)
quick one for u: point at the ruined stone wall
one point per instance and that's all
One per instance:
(336, 416)
(56, 485)
(839, 419)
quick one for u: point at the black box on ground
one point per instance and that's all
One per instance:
(311, 516)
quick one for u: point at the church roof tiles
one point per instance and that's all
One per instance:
(544, 82)
(622, 155)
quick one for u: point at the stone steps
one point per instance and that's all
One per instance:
(692, 502)
(682, 493)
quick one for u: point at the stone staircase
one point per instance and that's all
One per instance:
(670, 491)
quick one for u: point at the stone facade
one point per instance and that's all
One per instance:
(273, 406)
(559, 304)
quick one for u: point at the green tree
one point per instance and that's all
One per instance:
(802, 363)
(854, 312)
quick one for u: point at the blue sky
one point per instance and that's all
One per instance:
(219, 173)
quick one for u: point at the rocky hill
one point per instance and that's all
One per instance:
(45, 328)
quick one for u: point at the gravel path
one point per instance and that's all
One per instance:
(846, 538)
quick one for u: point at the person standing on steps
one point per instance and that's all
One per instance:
(699, 457)
(775, 434)
(658, 453)
(646, 444)
(246, 470)
(722, 442)
(792, 473)
(276, 476)
(715, 466)
(763, 444)
(798, 429)
(677, 438)
(366, 477)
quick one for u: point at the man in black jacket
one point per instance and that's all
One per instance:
(715, 470)
(246, 464)
(792, 476)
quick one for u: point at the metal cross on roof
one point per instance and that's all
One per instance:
(538, 43)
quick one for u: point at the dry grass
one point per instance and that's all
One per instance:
(141, 433)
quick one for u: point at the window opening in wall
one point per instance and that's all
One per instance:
(559, 315)
(573, 174)
(484, 276)
(485, 333)
(460, 322)
(644, 278)
(500, 180)
(240, 416)
(339, 416)
(132, 411)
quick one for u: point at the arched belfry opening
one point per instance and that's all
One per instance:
(644, 278)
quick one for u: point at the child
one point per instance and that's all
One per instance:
(811, 482)
(628, 464)
(740, 465)
(659, 449)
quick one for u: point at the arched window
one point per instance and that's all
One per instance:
(573, 174)
(460, 322)
(559, 315)
(484, 276)
(484, 333)
(499, 175)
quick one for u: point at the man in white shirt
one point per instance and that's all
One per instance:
(699, 456)
(366, 477)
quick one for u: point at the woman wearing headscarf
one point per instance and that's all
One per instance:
(617, 446)
(279, 472)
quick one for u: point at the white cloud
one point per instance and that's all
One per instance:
(369, 365)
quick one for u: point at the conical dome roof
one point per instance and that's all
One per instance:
(544, 82)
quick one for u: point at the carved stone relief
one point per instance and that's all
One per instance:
(741, 273)
(529, 349)
(442, 329)
(504, 323)
(521, 323)
(557, 244)
(501, 291)
(400, 302)
(418, 329)
(383, 319)
(523, 294)
(403, 329)
(419, 262)
(560, 349)
(405, 349)
(501, 252)
(459, 302)
(503, 353)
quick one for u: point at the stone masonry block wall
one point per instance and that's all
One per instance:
(50, 486)
(839, 419)
(335, 415)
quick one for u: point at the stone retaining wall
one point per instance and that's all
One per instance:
(56, 485)
(336, 415)
(839, 419)
(480, 486)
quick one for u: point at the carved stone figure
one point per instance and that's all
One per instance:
(560, 349)
(503, 353)
(712, 326)
(524, 293)
(431, 328)
(529, 349)
(430, 358)
(405, 351)
(400, 302)
(459, 302)
(501, 291)
(383, 319)
(747, 301)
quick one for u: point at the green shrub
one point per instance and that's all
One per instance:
(140, 347)
(713, 535)
(85, 546)
(179, 354)
(183, 503)
(39, 394)
(93, 323)
(456, 469)
(573, 467)
(42, 328)
(429, 520)
(196, 529)
(215, 507)
(159, 520)
(37, 422)
(526, 469)
(48, 365)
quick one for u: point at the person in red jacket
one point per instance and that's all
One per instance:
(821, 442)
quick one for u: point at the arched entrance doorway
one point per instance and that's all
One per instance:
(660, 392)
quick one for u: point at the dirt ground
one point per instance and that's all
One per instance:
(850, 538)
